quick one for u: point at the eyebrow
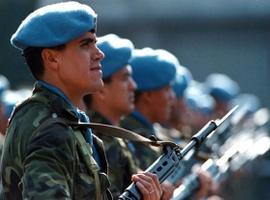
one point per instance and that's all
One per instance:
(126, 74)
(87, 40)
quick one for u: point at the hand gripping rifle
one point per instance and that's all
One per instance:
(164, 166)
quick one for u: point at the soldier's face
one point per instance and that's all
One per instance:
(80, 68)
(162, 100)
(120, 92)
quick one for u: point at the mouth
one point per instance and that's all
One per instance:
(95, 68)
(132, 98)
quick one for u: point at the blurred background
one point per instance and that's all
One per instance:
(207, 36)
(225, 36)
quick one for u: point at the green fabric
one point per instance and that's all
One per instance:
(120, 161)
(145, 154)
(45, 164)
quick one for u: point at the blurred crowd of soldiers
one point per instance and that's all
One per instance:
(150, 92)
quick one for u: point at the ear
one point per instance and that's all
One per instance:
(148, 96)
(50, 58)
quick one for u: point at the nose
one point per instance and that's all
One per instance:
(99, 54)
(132, 84)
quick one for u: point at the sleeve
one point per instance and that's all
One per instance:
(49, 164)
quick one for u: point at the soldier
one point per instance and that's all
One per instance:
(113, 101)
(44, 157)
(200, 106)
(223, 89)
(4, 113)
(153, 72)
(173, 128)
(4, 85)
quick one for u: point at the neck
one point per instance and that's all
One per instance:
(145, 112)
(112, 115)
(75, 100)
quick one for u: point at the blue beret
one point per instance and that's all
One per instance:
(152, 69)
(4, 84)
(222, 87)
(182, 80)
(11, 98)
(117, 53)
(197, 100)
(54, 25)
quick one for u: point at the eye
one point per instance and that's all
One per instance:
(85, 44)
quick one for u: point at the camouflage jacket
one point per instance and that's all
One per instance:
(2, 139)
(145, 154)
(46, 163)
(121, 164)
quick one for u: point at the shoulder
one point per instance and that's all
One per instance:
(131, 123)
(26, 127)
(30, 111)
(112, 146)
(2, 138)
(26, 118)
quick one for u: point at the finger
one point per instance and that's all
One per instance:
(167, 189)
(145, 180)
(155, 181)
(147, 186)
(205, 177)
(145, 193)
(205, 184)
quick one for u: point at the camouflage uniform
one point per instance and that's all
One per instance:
(121, 164)
(2, 139)
(144, 153)
(45, 163)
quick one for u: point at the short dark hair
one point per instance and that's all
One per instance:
(107, 80)
(34, 60)
(137, 95)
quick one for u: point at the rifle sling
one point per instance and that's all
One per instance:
(114, 131)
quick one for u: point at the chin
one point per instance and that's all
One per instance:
(127, 111)
(95, 88)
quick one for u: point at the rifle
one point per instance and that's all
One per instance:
(215, 168)
(233, 159)
(165, 165)
(231, 126)
(239, 153)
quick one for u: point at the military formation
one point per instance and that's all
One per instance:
(175, 142)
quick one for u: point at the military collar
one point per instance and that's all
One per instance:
(98, 117)
(58, 100)
(139, 116)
